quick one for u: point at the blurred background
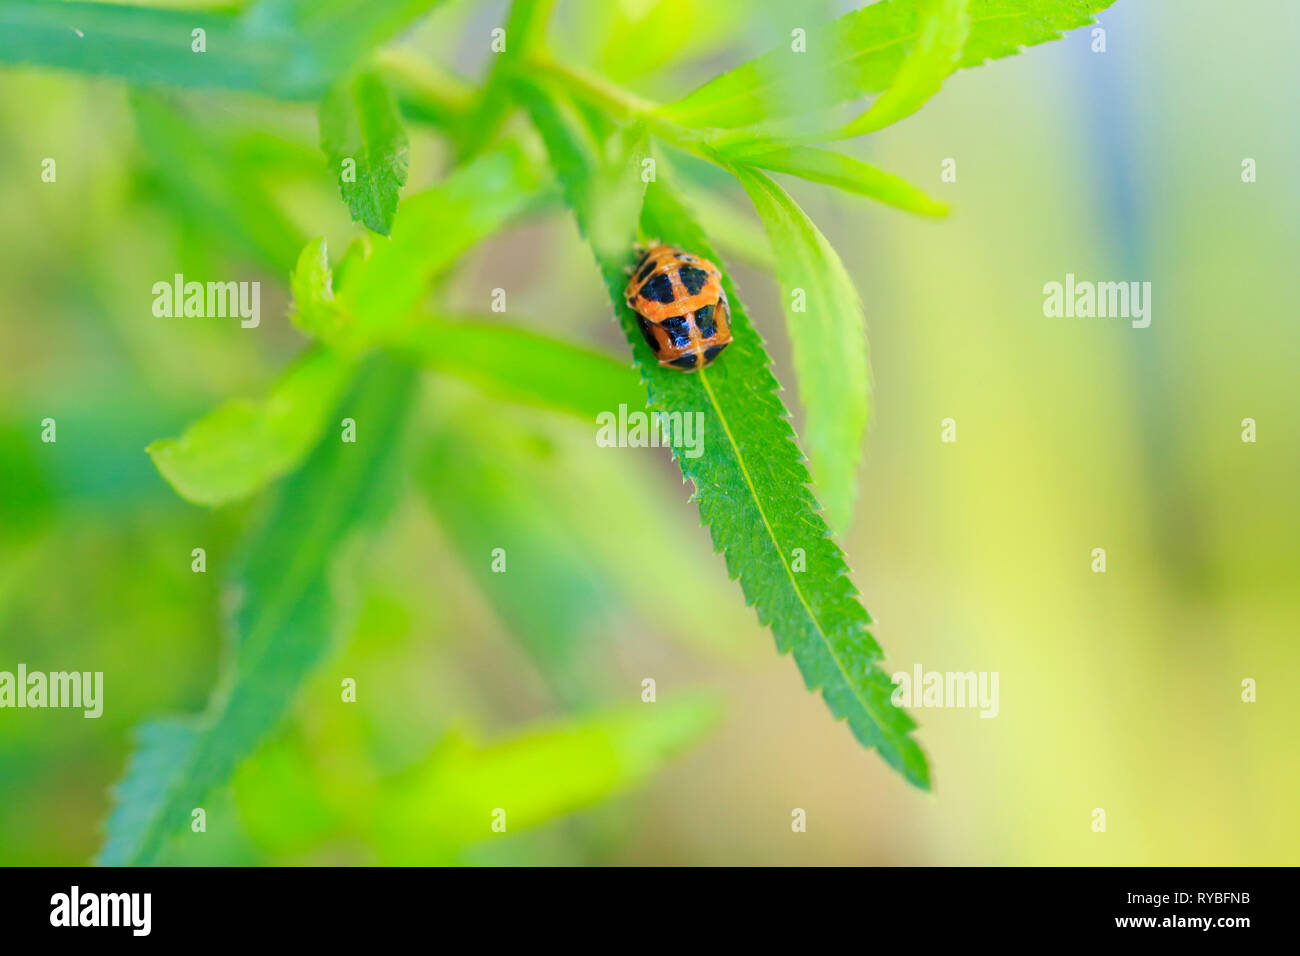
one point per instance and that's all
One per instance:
(1120, 691)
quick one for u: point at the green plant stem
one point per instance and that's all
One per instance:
(622, 104)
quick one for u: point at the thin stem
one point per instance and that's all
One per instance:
(623, 104)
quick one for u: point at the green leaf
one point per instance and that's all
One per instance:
(849, 174)
(290, 49)
(365, 142)
(280, 628)
(862, 52)
(750, 482)
(522, 366)
(243, 445)
(430, 232)
(507, 362)
(535, 776)
(945, 27)
(829, 339)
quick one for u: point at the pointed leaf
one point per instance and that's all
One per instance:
(750, 481)
(829, 338)
(363, 138)
(849, 174)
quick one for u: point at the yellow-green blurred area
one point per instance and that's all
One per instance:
(523, 690)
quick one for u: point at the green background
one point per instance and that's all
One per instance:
(1119, 691)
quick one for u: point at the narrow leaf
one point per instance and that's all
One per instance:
(829, 339)
(751, 484)
(244, 444)
(862, 52)
(281, 626)
(365, 142)
(849, 174)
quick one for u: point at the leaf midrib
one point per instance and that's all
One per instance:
(776, 545)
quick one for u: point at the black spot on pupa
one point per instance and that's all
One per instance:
(679, 332)
(712, 352)
(704, 321)
(692, 278)
(659, 289)
(686, 361)
(650, 339)
(649, 268)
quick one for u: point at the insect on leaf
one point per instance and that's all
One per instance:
(750, 481)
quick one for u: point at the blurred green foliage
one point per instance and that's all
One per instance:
(371, 561)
